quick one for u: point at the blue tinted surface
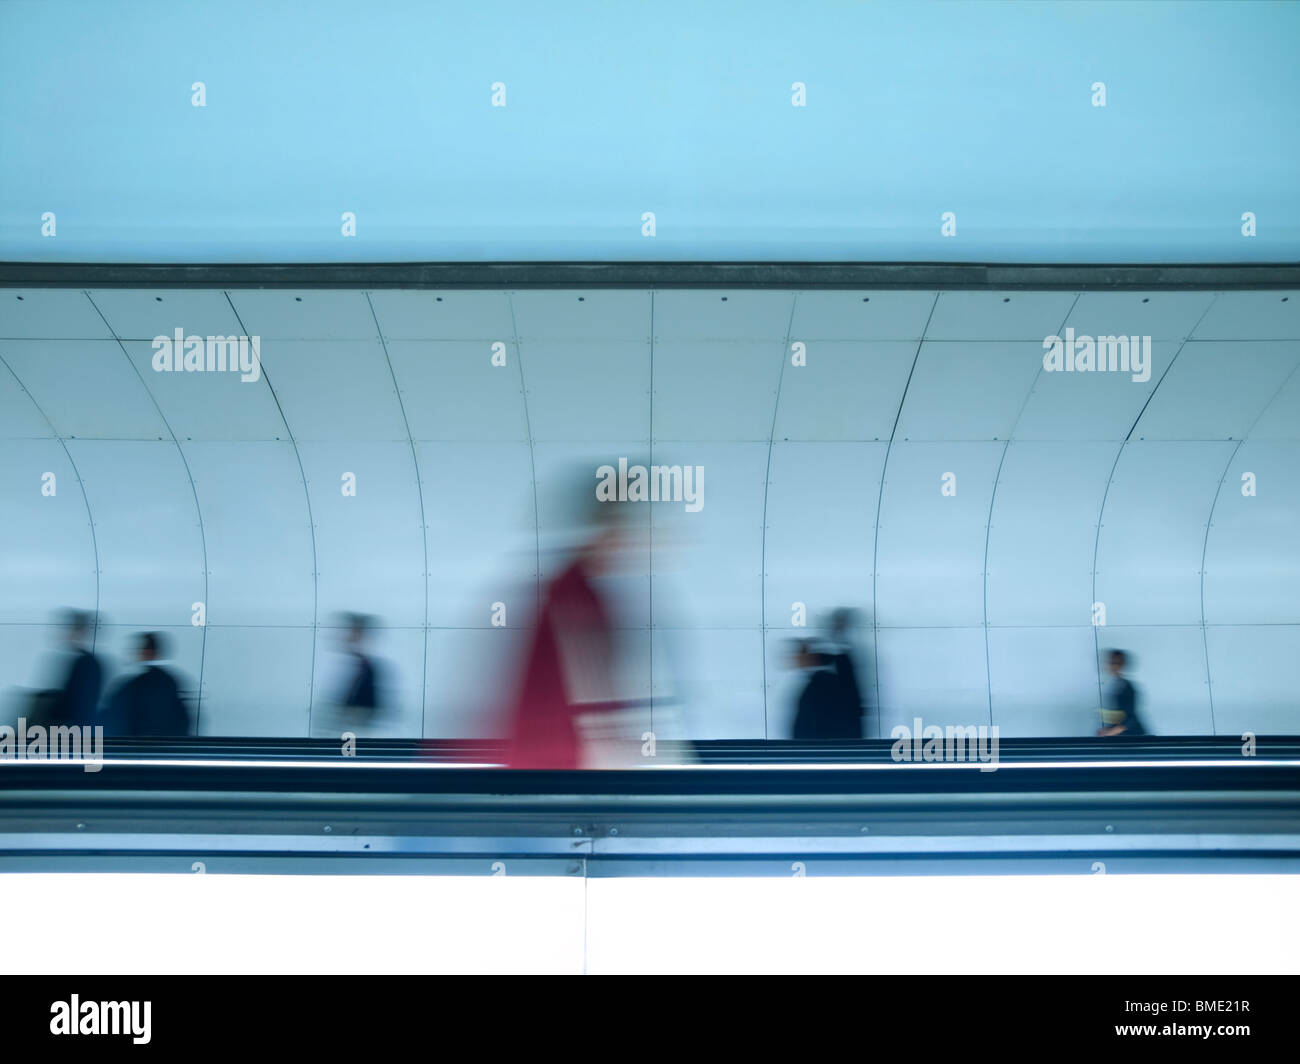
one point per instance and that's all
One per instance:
(680, 108)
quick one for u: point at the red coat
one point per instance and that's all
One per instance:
(568, 671)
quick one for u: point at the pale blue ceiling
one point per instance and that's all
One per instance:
(680, 108)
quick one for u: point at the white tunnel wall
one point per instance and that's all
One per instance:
(409, 455)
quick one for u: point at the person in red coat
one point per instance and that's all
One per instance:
(569, 670)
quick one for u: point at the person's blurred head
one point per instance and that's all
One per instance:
(843, 620)
(607, 530)
(77, 626)
(355, 626)
(1116, 662)
(150, 646)
(607, 536)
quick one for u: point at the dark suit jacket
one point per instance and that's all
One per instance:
(825, 710)
(149, 703)
(361, 692)
(1124, 695)
(78, 702)
(848, 677)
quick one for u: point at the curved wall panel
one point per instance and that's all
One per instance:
(1001, 316)
(1255, 673)
(588, 390)
(135, 315)
(149, 541)
(718, 550)
(50, 314)
(716, 390)
(707, 589)
(1153, 531)
(19, 414)
(305, 315)
(930, 554)
(481, 544)
(1252, 567)
(257, 680)
(442, 316)
(1215, 391)
(452, 390)
(1043, 532)
(87, 388)
(714, 680)
(1280, 417)
(854, 316)
(843, 390)
(47, 544)
(1042, 680)
(821, 503)
(939, 675)
(261, 557)
(585, 315)
(365, 504)
(968, 390)
(823, 485)
(1167, 317)
(209, 406)
(1087, 406)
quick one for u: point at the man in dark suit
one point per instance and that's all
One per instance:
(825, 709)
(840, 651)
(361, 691)
(150, 702)
(76, 703)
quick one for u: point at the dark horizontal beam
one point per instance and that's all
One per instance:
(1128, 768)
(779, 275)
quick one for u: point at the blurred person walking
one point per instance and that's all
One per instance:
(1119, 714)
(76, 702)
(149, 703)
(824, 709)
(567, 693)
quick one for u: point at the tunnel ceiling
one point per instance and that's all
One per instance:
(242, 131)
(825, 422)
